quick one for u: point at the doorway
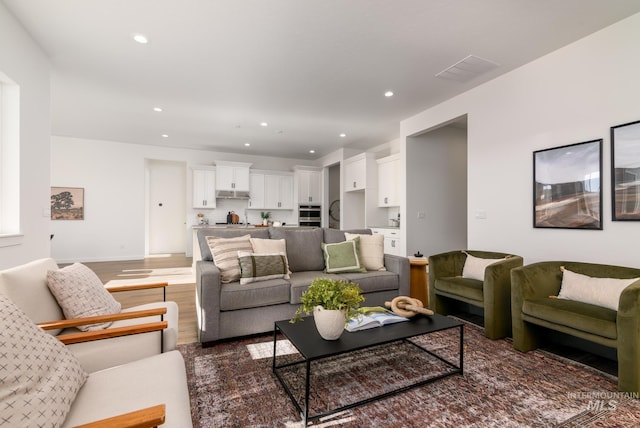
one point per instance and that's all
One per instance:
(165, 207)
(333, 211)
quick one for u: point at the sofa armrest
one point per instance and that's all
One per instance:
(143, 418)
(536, 280)
(208, 301)
(401, 266)
(497, 280)
(628, 325)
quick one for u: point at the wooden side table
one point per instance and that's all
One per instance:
(419, 287)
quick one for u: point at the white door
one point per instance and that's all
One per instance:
(166, 211)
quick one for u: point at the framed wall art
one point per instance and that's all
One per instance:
(67, 203)
(625, 172)
(567, 186)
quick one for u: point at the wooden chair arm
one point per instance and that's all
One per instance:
(88, 336)
(52, 325)
(143, 418)
(117, 288)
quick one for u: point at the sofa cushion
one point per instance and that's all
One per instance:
(603, 292)
(264, 293)
(40, 376)
(134, 386)
(205, 251)
(81, 294)
(331, 236)
(474, 266)
(371, 250)
(374, 281)
(261, 267)
(577, 315)
(26, 286)
(300, 281)
(458, 286)
(343, 257)
(304, 252)
(225, 255)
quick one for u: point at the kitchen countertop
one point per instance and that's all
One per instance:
(383, 227)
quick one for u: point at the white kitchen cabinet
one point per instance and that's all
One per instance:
(256, 191)
(389, 181)
(355, 173)
(391, 240)
(232, 176)
(204, 187)
(271, 191)
(309, 186)
(278, 192)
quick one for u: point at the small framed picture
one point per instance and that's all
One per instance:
(567, 186)
(67, 203)
(625, 172)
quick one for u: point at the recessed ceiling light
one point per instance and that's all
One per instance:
(264, 124)
(388, 94)
(165, 135)
(312, 151)
(158, 109)
(140, 38)
(343, 135)
(247, 144)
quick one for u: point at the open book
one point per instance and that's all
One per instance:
(377, 317)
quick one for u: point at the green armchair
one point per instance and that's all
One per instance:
(534, 312)
(447, 287)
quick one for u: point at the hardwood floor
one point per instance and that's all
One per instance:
(182, 294)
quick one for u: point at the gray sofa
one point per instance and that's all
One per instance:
(231, 310)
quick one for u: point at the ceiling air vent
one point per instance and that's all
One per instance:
(467, 69)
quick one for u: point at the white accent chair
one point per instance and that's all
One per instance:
(136, 333)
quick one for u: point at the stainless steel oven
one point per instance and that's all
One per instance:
(310, 215)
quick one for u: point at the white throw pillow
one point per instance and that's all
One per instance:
(80, 293)
(40, 377)
(371, 250)
(474, 266)
(603, 292)
(225, 255)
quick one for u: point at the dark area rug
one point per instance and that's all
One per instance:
(231, 384)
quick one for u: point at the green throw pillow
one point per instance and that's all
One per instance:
(261, 267)
(342, 257)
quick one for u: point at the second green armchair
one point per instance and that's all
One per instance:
(447, 287)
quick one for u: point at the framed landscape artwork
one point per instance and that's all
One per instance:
(67, 203)
(567, 186)
(625, 172)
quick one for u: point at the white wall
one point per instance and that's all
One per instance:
(441, 153)
(24, 62)
(113, 176)
(572, 95)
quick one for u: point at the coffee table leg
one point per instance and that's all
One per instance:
(461, 349)
(275, 335)
(306, 393)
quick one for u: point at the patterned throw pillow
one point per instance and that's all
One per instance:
(80, 293)
(270, 246)
(40, 376)
(225, 255)
(342, 257)
(261, 267)
(371, 250)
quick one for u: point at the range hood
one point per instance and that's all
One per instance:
(232, 194)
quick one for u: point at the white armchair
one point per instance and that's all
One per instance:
(26, 286)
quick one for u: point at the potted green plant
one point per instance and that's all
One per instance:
(265, 215)
(332, 302)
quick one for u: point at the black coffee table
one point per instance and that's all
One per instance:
(305, 338)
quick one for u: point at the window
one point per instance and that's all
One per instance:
(9, 161)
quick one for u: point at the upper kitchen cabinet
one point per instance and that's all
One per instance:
(309, 180)
(271, 190)
(233, 176)
(204, 186)
(355, 173)
(389, 181)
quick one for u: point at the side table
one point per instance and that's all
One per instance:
(419, 287)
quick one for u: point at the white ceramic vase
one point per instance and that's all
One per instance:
(330, 323)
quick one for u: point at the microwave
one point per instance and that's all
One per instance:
(309, 215)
